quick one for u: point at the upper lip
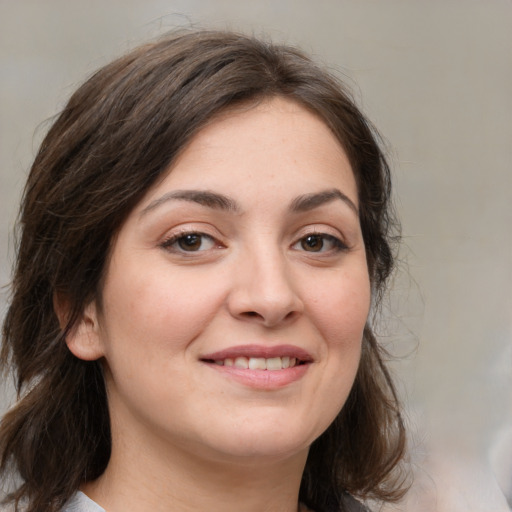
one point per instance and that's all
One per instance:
(264, 351)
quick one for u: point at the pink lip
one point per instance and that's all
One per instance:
(260, 351)
(261, 379)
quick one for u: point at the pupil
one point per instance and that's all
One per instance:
(190, 242)
(312, 243)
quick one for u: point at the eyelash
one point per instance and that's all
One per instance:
(172, 244)
(336, 244)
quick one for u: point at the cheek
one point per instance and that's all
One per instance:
(151, 318)
(339, 311)
(342, 306)
(156, 308)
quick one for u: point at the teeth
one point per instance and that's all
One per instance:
(242, 362)
(274, 363)
(258, 363)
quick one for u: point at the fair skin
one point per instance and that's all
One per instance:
(248, 252)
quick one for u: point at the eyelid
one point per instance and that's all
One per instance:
(169, 242)
(337, 244)
(327, 233)
(181, 232)
(321, 229)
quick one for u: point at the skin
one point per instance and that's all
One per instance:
(189, 276)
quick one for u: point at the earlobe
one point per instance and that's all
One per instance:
(83, 339)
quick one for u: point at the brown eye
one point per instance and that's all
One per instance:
(189, 242)
(320, 243)
(312, 243)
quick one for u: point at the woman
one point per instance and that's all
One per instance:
(203, 232)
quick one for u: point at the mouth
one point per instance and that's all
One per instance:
(285, 363)
(257, 357)
(259, 363)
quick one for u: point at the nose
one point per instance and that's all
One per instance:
(263, 290)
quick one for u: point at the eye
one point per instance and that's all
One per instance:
(189, 242)
(319, 242)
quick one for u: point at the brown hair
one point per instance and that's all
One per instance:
(117, 135)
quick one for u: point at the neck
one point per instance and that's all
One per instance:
(171, 478)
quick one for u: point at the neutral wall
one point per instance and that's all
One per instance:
(436, 78)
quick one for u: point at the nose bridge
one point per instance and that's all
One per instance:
(264, 289)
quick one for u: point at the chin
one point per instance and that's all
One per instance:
(259, 451)
(277, 441)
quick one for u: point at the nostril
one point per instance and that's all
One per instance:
(266, 319)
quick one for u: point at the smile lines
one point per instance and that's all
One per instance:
(258, 363)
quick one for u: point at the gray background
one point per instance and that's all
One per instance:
(436, 79)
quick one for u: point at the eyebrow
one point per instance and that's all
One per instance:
(217, 201)
(203, 197)
(308, 202)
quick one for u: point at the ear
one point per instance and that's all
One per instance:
(84, 339)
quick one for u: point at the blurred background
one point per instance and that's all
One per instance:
(436, 79)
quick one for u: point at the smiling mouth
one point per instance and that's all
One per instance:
(258, 363)
(256, 357)
(261, 367)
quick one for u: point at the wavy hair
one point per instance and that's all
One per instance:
(117, 135)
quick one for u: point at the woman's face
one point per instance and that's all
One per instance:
(237, 291)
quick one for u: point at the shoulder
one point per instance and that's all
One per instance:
(79, 502)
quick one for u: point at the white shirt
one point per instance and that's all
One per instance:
(81, 503)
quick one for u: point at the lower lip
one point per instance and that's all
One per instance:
(262, 379)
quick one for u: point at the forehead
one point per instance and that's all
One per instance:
(276, 143)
